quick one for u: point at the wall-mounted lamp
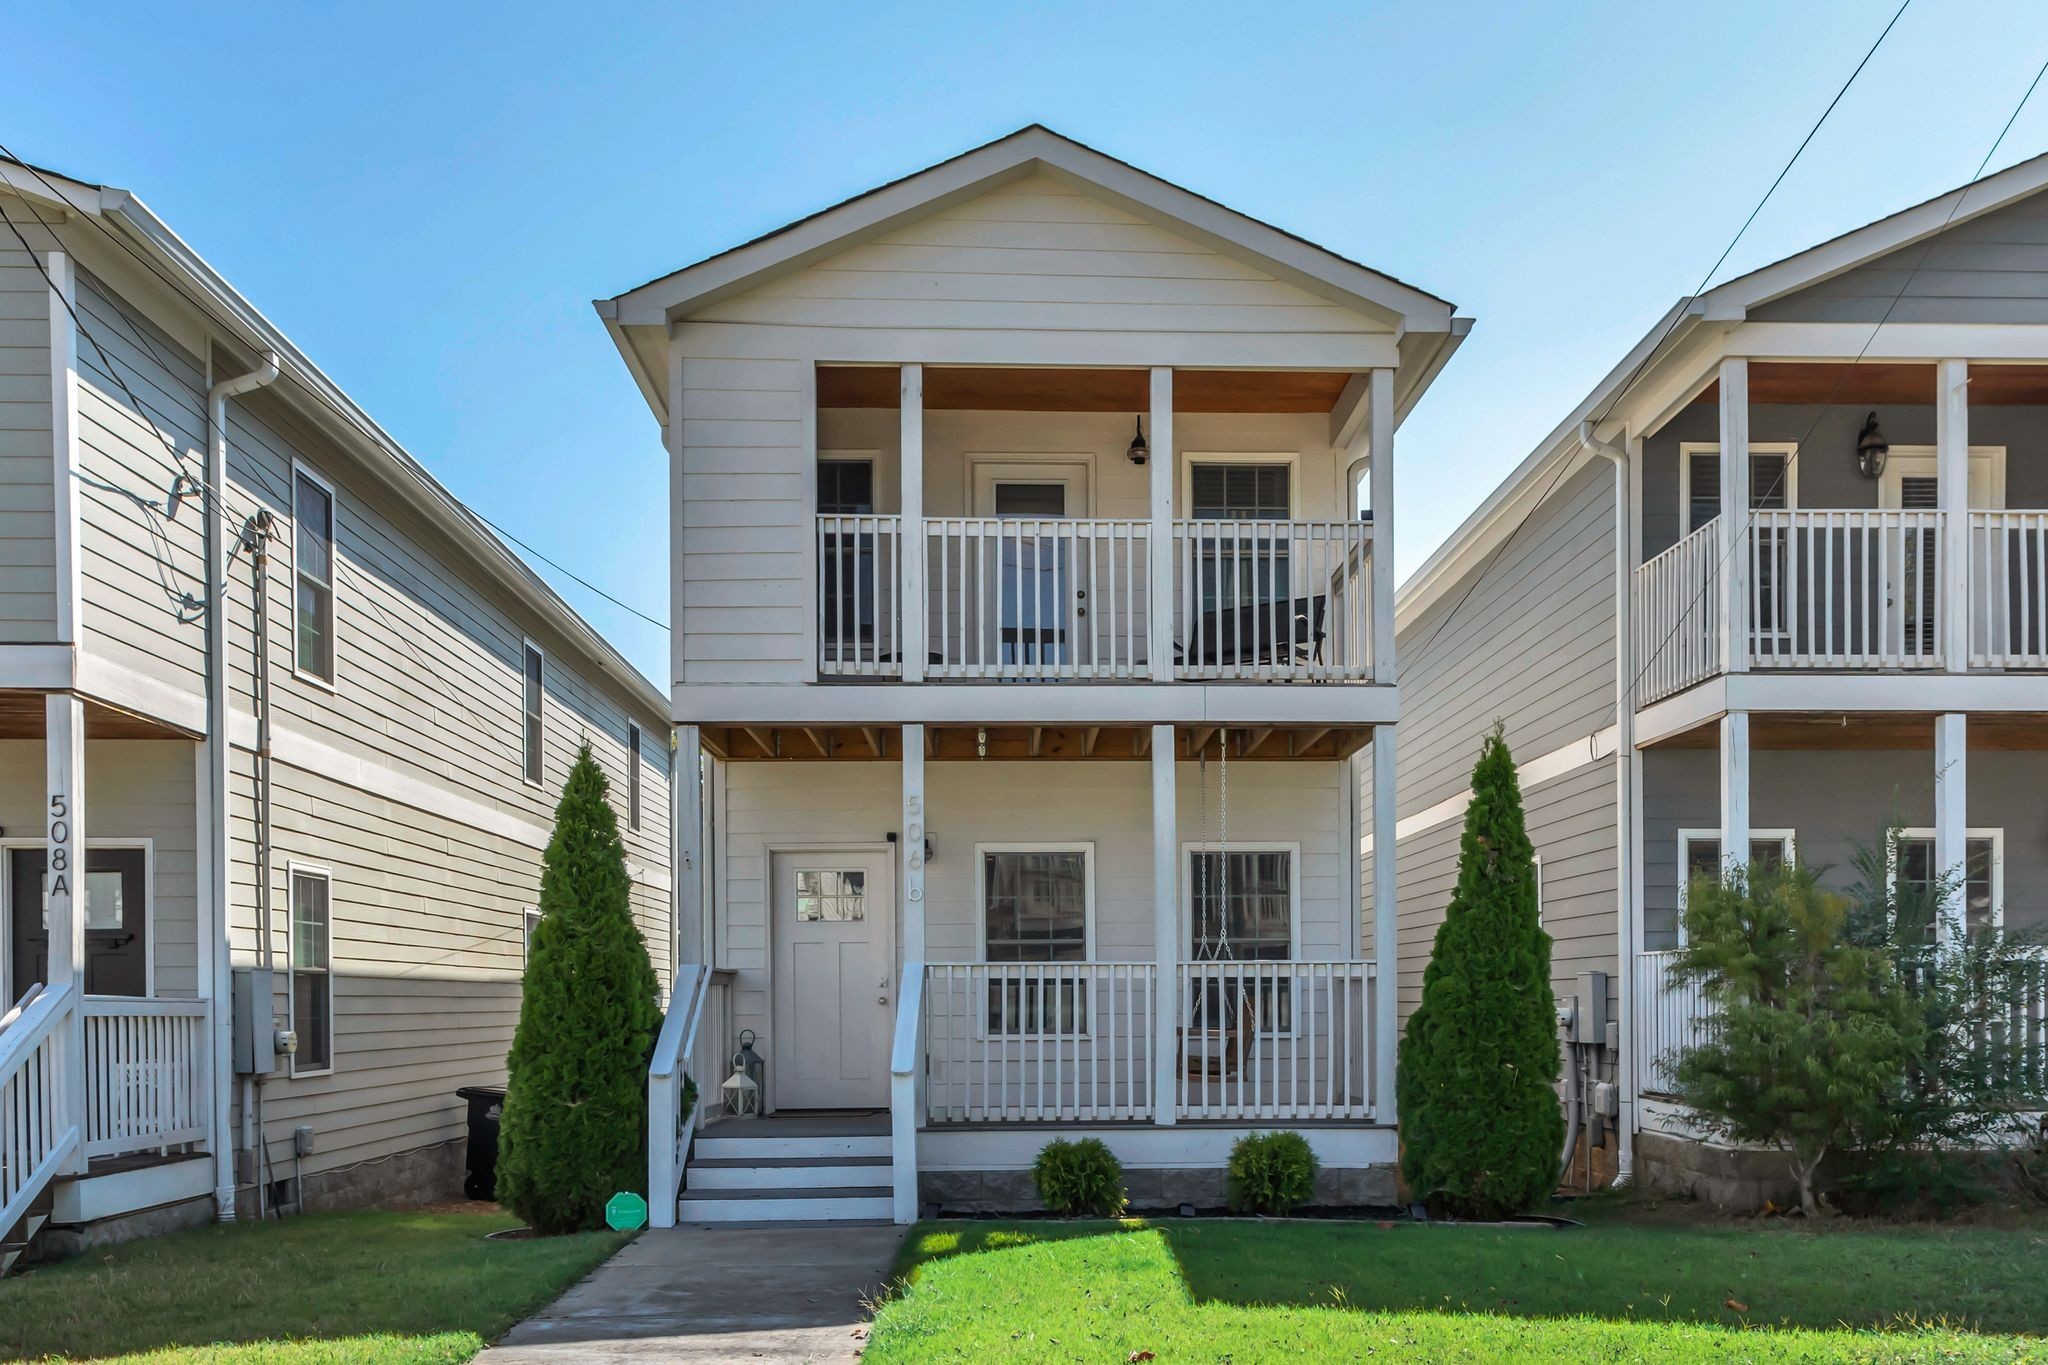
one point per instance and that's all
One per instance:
(1139, 452)
(930, 849)
(1871, 448)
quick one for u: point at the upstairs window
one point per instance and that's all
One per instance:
(313, 560)
(534, 700)
(1770, 484)
(846, 488)
(632, 776)
(1241, 492)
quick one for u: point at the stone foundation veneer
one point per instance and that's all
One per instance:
(1152, 1189)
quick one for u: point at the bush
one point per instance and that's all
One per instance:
(1271, 1173)
(1481, 1126)
(574, 1131)
(1079, 1179)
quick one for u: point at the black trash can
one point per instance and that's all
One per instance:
(486, 1104)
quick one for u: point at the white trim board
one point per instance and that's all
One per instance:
(1569, 758)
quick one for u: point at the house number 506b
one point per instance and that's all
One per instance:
(60, 845)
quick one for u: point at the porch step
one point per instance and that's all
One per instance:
(16, 1240)
(808, 1173)
(754, 1150)
(786, 1205)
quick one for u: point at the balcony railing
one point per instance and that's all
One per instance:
(1833, 588)
(1273, 600)
(860, 569)
(1677, 616)
(1035, 598)
(2009, 589)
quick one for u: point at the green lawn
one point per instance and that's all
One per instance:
(370, 1287)
(1204, 1290)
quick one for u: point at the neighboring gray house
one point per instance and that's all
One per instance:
(1849, 629)
(362, 812)
(1027, 615)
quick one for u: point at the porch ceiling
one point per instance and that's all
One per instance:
(999, 389)
(21, 717)
(964, 743)
(1866, 730)
(1879, 383)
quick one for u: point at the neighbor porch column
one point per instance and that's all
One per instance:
(64, 887)
(686, 831)
(1386, 917)
(1952, 818)
(1952, 488)
(1380, 422)
(1733, 553)
(1165, 925)
(910, 847)
(1160, 601)
(1735, 790)
(911, 482)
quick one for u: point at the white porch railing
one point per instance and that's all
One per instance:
(1275, 1040)
(1836, 588)
(694, 1043)
(147, 1074)
(1282, 600)
(2009, 589)
(37, 1134)
(860, 567)
(1671, 1016)
(1677, 617)
(1037, 598)
(1025, 1042)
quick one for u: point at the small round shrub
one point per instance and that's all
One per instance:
(1270, 1173)
(1079, 1179)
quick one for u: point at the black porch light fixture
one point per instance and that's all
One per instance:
(1139, 452)
(1871, 448)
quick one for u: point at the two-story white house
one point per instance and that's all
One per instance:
(282, 729)
(1032, 522)
(1703, 661)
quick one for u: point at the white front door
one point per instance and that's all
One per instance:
(835, 978)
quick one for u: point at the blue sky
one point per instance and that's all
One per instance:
(426, 197)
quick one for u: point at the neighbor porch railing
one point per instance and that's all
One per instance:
(1037, 598)
(1677, 620)
(2009, 589)
(1836, 588)
(147, 1074)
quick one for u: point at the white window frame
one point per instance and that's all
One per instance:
(293, 870)
(1688, 449)
(1290, 458)
(540, 717)
(635, 738)
(1537, 860)
(529, 920)
(314, 477)
(1924, 461)
(1086, 849)
(1685, 841)
(1189, 849)
(1995, 835)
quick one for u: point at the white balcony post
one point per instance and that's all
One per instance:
(1952, 471)
(1733, 551)
(64, 888)
(1735, 790)
(686, 832)
(1160, 637)
(1386, 917)
(910, 847)
(1380, 421)
(1165, 926)
(912, 605)
(1951, 818)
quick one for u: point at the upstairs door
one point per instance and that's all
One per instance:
(116, 920)
(1038, 605)
(1910, 482)
(835, 978)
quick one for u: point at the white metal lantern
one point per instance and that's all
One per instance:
(742, 1095)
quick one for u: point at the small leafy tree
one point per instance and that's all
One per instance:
(1480, 1121)
(574, 1130)
(1811, 1036)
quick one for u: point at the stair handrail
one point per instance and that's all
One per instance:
(668, 1127)
(41, 1136)
(906, 1058)
(14, 1011)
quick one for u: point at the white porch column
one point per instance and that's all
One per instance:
(910, 846)
(1380, 421)
(1386, 917)
(686, 833)
(1951, 817)
(64, 883)
(913, 608)
(1734, 552)
(1160, 602)
(1735, 790)
(1952, 471)
(1165, 926)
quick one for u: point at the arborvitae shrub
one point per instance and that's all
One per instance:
(1270, 1173)
(1079, 1179)
(1481, 1125)
(574, 1131)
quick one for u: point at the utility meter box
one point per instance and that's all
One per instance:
(255, 1023)
(1589, 1025)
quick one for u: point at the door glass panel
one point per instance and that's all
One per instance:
(840, 897)
(102, 900)
(1031, 499)
(1032, 592)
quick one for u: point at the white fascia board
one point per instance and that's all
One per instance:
(1348, 706)
(652, 385)
(55, 197)
(1879, 692)
(37, 668)
(967, 346)
(1921, 341)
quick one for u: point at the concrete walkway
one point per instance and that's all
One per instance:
(791, 1291)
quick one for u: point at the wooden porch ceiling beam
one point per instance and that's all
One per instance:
(822, 742)
(770, 743)
(874, 739)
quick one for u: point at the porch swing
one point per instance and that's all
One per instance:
(1217, 1031)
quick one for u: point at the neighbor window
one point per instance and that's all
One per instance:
(1770, 483)
(529, 920)
(1241, 909)
(1035, 908)
(1913, 864)
(632, 776)
(313, 556)
(312, 975)
(533, 703)
(1699, 855)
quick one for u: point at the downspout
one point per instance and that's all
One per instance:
(214, 857)
(1624, 753)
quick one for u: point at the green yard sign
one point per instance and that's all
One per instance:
(626, 1212)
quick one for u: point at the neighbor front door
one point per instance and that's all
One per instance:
(835, 979)
(116, 921)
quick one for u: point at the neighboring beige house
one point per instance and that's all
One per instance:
(362, 812)
(1852, 629)
(1034, 626)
